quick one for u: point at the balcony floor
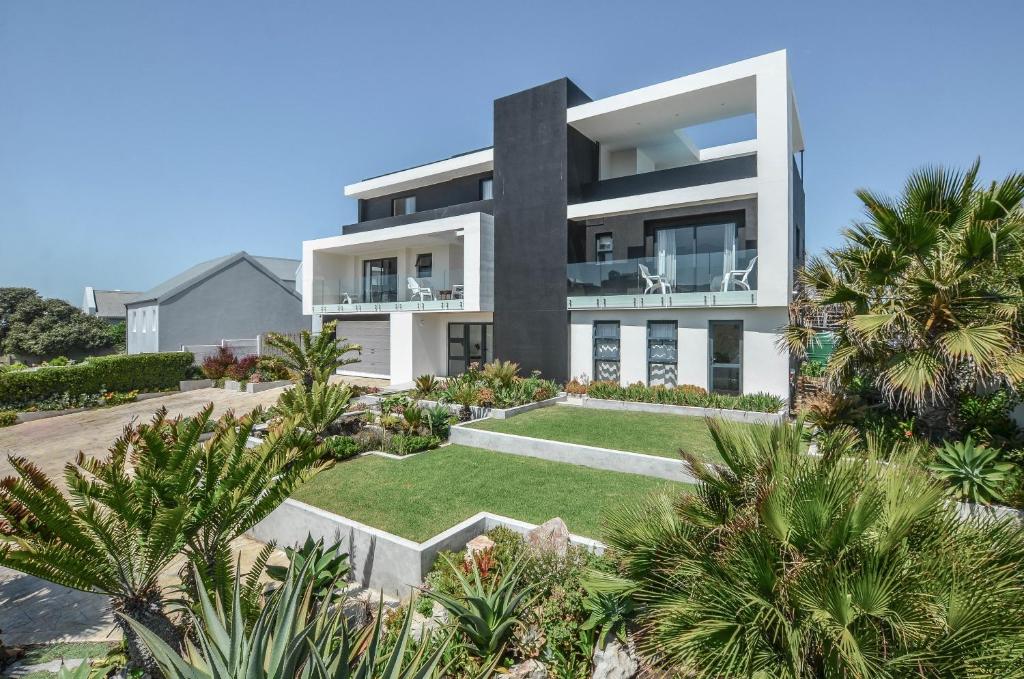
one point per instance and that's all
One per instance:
(679, 300)
(388, 307)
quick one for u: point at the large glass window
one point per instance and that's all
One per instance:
(469, 343)
(606, 350)
(424, 265)
(405, 205)
(725, 356)
(604, 246)
(380, 280)
(696, 258)
(662, 353)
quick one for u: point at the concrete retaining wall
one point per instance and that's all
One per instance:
(381, 560)
(690, 411)
(192, 385)
(506, 413)
(257, 387)
(607, 459)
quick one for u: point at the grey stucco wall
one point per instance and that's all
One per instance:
(239, 302)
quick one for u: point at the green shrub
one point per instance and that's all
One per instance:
(58, 361)
(684, 395)
(341, 447)
(120, 373)
(407, 444)
(8, 417)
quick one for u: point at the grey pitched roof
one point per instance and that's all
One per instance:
(272, 266)
(110, 303)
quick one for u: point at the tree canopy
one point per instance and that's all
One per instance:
(33, 326)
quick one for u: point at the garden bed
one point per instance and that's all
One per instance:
(421, 497)
(32, 415)
(748, 416)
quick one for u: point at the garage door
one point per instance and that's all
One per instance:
(375, 338)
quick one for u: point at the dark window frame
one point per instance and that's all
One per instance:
(597, 241)
(486, 181)
(661, 340)
(618, 344)
(711, 355)
(404, 199)
(429, 265)
(486, 335)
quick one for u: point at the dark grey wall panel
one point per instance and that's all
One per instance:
(531, 166)
(460, 190)
(799, 219)
(708, 172)
(416, 217)
(239, 302)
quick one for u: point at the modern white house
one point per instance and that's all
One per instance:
(649, 236)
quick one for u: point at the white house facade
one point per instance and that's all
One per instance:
(649, 236)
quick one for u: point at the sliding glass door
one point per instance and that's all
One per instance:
(380, 280)
(695, 258)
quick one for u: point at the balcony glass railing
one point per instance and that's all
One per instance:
(666, 274)
(384, 289)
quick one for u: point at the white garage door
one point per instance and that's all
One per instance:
(374, 335)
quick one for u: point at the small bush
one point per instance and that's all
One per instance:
(58, 361)
(684, 395)
(97, 375)
(407, 444)
(8, 417)
(215, 367)
(341, 447)
(242, 369)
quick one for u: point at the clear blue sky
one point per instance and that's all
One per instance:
(137, 138)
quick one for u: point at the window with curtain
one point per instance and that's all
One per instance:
(695, 258)
(606, 350)
(662, 353)
(405, 205)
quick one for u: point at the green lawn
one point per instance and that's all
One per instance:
(650, 433)
(419, 497)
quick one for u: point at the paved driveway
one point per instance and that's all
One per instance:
(52, 442)
(35, 611)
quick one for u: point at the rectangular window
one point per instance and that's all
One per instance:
(405, 205)
(662, 353)
(725, 357)
(604, 245)
(134, 315)
(143, 320)
(153, 328)
(424, 265)
(486, 189)
(606, 350)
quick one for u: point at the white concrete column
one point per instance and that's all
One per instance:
(403, 332)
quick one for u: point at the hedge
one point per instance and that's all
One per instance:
(102, 373)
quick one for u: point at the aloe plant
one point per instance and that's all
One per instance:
(610, 604)
(293, 638)
(973, 472)
(487, 615)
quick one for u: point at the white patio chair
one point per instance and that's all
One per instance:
(346, 298)
(738, 277)
(654, 281)
(418, 291)
(458, 291)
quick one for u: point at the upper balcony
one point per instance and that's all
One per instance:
(704, 279)
(445, 264)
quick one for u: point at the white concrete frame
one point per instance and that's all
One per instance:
(424, 175)
(340, 257)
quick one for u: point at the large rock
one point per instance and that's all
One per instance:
(550, 536)
(531, 669)
(615, 661)
(481, 543)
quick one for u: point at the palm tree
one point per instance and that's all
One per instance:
(927, 291)
(314, 358)
(786, 565)
(118, 529)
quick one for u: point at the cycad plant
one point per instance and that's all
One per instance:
(486, 614)
(973, 472)
(927, 292)
(293, 638)
(123, 520)
(314, 358)
(315, 408)
(786, 565)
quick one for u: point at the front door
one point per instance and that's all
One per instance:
(725, 357)
(469, 343)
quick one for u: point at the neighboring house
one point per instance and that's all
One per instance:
(595, 238)
(106, 304)
(234, 297)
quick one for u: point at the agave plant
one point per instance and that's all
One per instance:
(328, 566)
(973, 472)
(610, 603)
(791, 566)
(315, 408)
(293, 638)
(314, 358)
(439, 421)
(486, 614)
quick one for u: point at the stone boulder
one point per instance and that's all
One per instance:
(550, 536)
(480, 543)
(615, 661)
(531, 669)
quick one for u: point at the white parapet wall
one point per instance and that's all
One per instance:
(382, 560)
